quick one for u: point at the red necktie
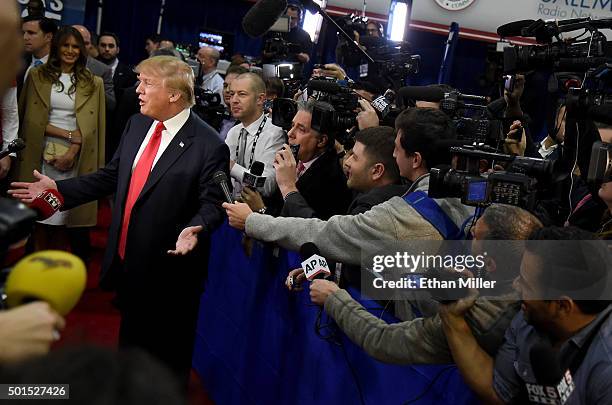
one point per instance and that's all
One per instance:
(300, 169)
(138, 180)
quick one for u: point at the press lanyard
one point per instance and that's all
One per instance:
(261, 126)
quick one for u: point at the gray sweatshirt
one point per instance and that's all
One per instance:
(422, 340)
(343, 237)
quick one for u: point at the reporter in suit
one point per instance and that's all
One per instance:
(166, 206)
(315, 186)
(62, 116)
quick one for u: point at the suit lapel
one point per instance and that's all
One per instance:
(179, 144)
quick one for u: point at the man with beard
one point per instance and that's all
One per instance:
(564, 287)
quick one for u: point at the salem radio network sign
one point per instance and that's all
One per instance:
(454, 5)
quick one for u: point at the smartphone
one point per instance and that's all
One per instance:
(295, 149)
(509, 83)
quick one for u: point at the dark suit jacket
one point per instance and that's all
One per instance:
(100, 69)
(179, 192)
(123, 78)
(123, 82)
(322, 191)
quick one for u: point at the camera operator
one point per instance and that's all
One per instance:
(296, 36)
(421, 340)
(208, 78)
(420, 134)
(577, 329)
(255, 138)
(314, 186)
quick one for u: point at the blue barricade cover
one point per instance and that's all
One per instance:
(256, 342)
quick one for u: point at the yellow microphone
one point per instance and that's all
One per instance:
(53, 276)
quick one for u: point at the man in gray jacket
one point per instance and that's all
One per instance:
(422, 340)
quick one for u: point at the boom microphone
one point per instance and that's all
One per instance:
(13, 147)
(262, 16)
(314, 265)
(220, 178)
(47, 203)
(421, 93)
(514, 29)
(53, 276)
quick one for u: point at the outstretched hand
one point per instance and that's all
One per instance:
(237, 214)
(27, 192)
(187, 241)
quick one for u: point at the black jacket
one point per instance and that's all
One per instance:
(178, 193)
(123, 78)
(322, 191)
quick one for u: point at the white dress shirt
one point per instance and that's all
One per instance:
(173, 126)
(270, 141)
(113, 66)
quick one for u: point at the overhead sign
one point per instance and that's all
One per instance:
(454, 5)
(65, 12)
(479, 19)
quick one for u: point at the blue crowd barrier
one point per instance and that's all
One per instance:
(256, 342)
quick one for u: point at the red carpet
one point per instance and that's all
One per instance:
(95, 320)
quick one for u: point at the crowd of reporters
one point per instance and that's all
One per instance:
(345, 187)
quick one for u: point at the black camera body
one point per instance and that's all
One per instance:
(518, 185)
(470, 116)
(279, 49)
(600, 166)
(208, 107)
(16, 223)
(335, 111)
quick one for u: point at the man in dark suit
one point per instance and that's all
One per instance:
(166, 205)
(316, 185)
(123, 75)
(99, 69)
(123, 78)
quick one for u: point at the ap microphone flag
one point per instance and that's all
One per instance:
(314, 265)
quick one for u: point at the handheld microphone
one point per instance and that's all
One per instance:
(220, 178)
(53, 276)
(47, 203)
(254, 178)
(554, 386)
(382, 105)
(13, 147)
(314, 265)
(262, 16)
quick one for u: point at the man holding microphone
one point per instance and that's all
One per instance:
(166, 206)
